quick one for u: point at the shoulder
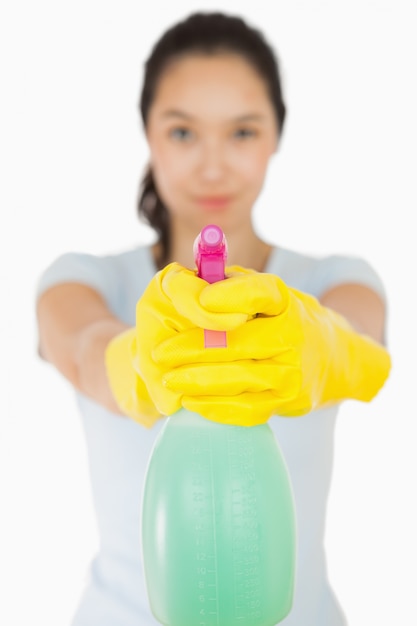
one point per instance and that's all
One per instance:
(105, 273)
(316, 274)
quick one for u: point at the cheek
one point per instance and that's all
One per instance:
(170, 171)
(253, 165)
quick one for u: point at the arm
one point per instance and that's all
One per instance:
(361, 306)
(75, 327)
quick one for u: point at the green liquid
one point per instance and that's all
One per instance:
(218, 526)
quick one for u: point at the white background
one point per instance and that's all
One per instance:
(72, 152)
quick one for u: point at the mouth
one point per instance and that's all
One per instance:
(213, 202)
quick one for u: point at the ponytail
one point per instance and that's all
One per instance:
(153, 212)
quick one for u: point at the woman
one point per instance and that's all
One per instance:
(213, 113)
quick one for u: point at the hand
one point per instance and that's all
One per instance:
(174, 288)
(288, 356)
(168, 309)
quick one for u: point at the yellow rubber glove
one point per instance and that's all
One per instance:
(170, 306)
(286, 353)
(293, 357)
(127, 387)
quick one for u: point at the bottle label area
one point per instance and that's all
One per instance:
(245, 539)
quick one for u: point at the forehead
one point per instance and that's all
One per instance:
(213, 84)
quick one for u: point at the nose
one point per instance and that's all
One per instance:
(212, 165)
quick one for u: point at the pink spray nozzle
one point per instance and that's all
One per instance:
(210, 253)
(211, 237)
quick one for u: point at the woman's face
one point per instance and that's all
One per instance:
(211, 132)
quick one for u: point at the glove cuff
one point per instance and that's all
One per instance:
(127, 387)
(362, 367)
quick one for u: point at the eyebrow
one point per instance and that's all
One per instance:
(248, 117)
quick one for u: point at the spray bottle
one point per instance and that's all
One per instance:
(218, 520)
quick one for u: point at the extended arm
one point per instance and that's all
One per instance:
(75, 327)
(92, 349)
(361, 306)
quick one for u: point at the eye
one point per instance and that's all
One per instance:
(180, 133)
(244, 133)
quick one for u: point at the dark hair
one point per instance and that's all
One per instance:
(207, 33)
